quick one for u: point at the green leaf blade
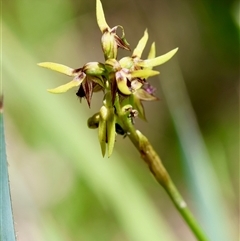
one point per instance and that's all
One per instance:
(7, 232)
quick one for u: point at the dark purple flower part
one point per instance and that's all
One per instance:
(149, 88)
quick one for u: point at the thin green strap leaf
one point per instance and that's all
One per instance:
(141, 45)
(101, 17)
(7, 232)
(58, 67)
(158, 60)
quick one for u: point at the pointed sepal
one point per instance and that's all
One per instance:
(58, 67)
(152, 52)
(110, 131)
(101, 17)
(144, 73)
(137, 52)
(148, 63)
(102, 129)
(63, 88)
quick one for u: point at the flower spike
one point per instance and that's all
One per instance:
(123, 82)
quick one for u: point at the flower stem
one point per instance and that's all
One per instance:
(156, 167)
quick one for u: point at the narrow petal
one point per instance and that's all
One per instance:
(102, 129)
(58, 67)
(101, 17)
(66, 87)
(158, 60)
(152, 52)
(144, 73)
(122, 83)
(137, 52)
(111, 131)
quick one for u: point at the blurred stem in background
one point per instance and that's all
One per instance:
(204, 186)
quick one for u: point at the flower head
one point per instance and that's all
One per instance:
(126, 79)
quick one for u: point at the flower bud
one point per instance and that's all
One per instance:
(109, 45)
(112, 65)
(93, 122)
(126, 62)
(94, 68)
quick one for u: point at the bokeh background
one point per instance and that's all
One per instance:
(62, 188)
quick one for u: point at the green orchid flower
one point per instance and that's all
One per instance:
(88, 78)
(126, 79)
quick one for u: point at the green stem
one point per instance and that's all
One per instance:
(156, 167)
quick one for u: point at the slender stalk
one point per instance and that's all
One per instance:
(156, 167)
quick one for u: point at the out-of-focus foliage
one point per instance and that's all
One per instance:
(62, 189)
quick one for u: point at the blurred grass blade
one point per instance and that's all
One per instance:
(203, 184)
(7, 232)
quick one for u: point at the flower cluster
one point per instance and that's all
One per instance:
(123, 80)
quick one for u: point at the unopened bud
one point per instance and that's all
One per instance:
(109, 45)
(94, 68)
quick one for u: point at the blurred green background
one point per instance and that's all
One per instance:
(62, 188)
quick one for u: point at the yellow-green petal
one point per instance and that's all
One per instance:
(121, 80)
(58, 67)
(152, 52)
(144, 73)
(101, 17)
(111, 131)
(158, 60)
(63, 88)
(102, 129)
(137, 52)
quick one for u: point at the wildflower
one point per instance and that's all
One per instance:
(88, 78)
(126, 78)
